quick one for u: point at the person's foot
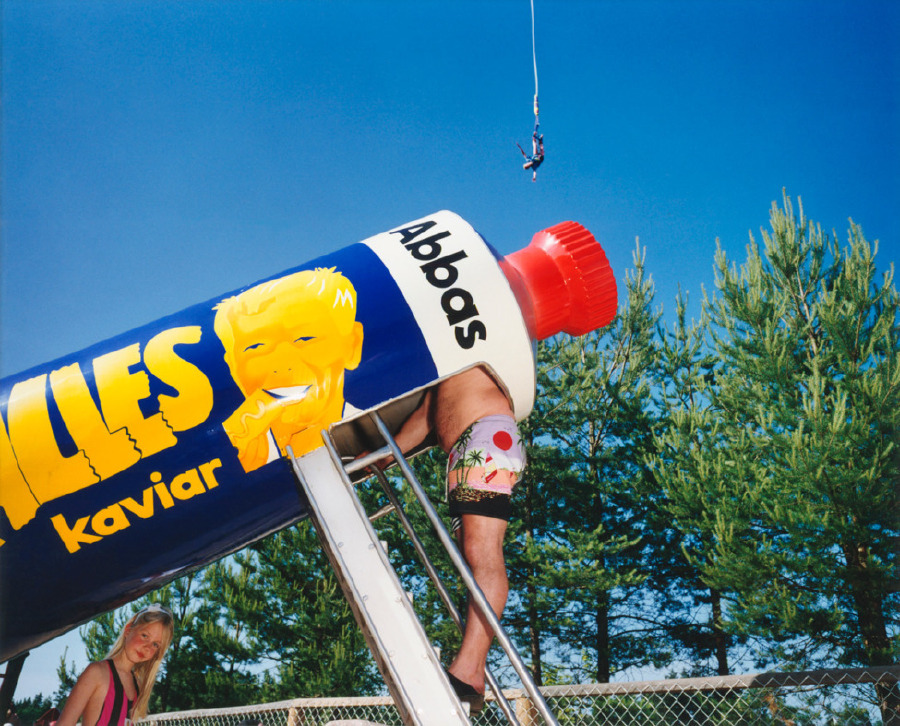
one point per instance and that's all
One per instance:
(467, 694)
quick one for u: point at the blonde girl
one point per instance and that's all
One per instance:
(117, 689)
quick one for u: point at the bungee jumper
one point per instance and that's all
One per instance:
(536, 158)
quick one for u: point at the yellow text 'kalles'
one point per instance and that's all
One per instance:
(109, 438)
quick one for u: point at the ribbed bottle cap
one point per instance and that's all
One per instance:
(569, 281)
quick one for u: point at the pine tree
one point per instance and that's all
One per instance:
(795, 470)
(210, 660)
(67, 675)
(596, 407)
(30, 709)
(536, 616)
(683, 466)
(284, 592)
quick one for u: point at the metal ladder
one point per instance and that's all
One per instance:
(407, 660)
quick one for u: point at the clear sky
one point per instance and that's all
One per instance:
(158, 154)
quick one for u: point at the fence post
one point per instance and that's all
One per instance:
(526, 713)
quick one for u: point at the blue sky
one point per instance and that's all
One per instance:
(157, 154)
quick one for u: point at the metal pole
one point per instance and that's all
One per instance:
(468, 578)
(10, 681)
(441, 588)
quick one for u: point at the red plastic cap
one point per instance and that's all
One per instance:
(569, 281)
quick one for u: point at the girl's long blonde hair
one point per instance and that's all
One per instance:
(145, 673)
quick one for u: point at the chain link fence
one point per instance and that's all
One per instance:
(855, 697)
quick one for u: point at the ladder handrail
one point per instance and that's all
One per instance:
(465, 573)
(442, 591)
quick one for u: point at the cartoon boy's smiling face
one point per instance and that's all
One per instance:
(296, 351)
(288, 344)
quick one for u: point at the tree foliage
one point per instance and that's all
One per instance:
(30, 709)
(592, 422)
(784, 476)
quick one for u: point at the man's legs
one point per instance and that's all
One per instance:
(481, 541)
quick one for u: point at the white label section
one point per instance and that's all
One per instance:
(461, 301)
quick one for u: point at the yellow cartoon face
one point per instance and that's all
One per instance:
(288, 344)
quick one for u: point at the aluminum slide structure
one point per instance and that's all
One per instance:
(407, 660)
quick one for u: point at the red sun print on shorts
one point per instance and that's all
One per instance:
(503, 441)
(486, 461)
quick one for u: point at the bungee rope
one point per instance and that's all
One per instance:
(534, 60)
(536, 158)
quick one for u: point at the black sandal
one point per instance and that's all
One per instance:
(467, 694)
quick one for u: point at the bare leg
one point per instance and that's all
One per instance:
(481, 541)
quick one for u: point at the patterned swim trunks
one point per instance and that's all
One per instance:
(483, 467)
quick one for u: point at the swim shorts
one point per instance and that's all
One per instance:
(483, 467)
